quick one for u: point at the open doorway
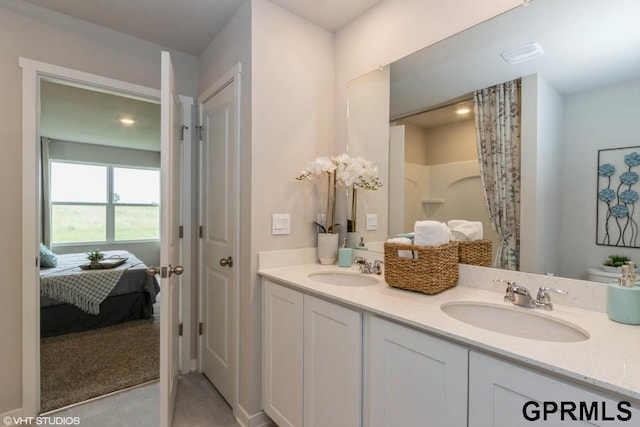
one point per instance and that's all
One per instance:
(100, 191)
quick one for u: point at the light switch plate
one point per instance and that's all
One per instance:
(372, 222)
(280, 224)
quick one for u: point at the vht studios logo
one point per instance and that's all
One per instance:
(574, 411)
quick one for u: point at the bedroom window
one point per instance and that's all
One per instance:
(98, 203)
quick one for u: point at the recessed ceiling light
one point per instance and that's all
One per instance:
(127, 121)
(522, 53)
(462, 111)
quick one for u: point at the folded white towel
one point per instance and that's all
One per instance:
(465, 230)
(431, 233)
(403, 241)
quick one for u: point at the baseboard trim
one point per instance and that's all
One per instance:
(193, 366)
(13, 413)
(259, 419)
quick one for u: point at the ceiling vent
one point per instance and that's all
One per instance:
(522, 53)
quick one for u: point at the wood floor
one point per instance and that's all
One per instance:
(198, 404)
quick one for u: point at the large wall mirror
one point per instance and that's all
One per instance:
(581, 96)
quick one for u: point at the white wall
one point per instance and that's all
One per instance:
(550, 160)
(38, 34)
(415, 144)
(594, 120)
(232, 46)
(287, 121)
(390, 31)
(368, 127)
(541, 221)
(80, 152)
(292, 123)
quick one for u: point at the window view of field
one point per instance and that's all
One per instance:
(74, 223)
(106, 204)
(137, 222)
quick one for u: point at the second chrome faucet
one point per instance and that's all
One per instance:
(366, 267)
(520, 295)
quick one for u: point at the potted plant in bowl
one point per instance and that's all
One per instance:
(614, 263)
(95, 256)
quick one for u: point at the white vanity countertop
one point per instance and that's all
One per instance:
(609, 359)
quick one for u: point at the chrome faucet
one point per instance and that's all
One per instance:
(366, 267)
(520, 295)
(377, 266)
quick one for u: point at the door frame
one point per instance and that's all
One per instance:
(32, 72)
(233, 75)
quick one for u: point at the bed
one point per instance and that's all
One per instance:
(73, 299)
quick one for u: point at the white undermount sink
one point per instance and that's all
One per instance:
(514, 321)
(343, 278)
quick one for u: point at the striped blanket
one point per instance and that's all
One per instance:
(85, 289)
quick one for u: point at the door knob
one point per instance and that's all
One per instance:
(165, 272)
(226, 262)
(177, 270)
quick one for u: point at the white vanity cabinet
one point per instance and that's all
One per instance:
(415, 379)
(312, 360)
(499, 393)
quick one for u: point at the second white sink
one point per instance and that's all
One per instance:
(514, 321)
(343, 278)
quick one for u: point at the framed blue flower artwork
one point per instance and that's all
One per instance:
(618, 209)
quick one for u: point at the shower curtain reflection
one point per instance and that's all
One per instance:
(497, 119)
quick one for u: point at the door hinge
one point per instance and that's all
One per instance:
(200, 128)
(200, 328)
(181, 231)
(180, 329)
(201, 231)
(182, 129)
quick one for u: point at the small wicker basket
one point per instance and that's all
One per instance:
(475, 252)
(433, 268)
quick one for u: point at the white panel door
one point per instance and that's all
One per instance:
(171, 123)
(332, 364)
(219, 237)
(282, 354)
(415, 379)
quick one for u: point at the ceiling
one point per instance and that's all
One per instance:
(81, 115)
(443, 114)
(587, 44)
(75, 114)
(190, 25)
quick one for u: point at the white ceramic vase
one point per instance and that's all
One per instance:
(328, 247)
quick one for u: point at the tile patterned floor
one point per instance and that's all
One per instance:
(198, 404)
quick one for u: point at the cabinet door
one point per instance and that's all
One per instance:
(332, 364)
(505, 395)
(415, 379)
(283, 329)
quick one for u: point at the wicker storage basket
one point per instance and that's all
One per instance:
(434, 269)
(475, 252)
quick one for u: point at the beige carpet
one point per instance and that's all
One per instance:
(76, 367)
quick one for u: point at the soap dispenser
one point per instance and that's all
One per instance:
(361, 246)
(623, 297)
(345, 255)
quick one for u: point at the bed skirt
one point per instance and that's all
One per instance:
(66, 318)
